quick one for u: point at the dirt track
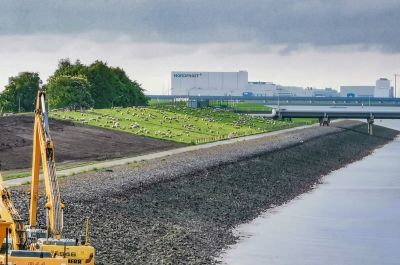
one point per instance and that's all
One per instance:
(74, 143)
(181, 209)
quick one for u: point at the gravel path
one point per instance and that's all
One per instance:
(181, 209)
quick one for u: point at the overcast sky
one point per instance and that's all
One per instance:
(306, 43)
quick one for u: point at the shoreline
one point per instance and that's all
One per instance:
(181, 209)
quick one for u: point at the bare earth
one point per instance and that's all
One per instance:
(74, 143)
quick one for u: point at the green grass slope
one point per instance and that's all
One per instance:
(179, 124)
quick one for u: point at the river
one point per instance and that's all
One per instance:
(352, 218)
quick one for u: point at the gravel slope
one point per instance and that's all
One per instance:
(181, 209)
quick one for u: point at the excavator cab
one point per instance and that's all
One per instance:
(33, 234)
(12, 256)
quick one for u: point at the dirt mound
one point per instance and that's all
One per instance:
(74, 143)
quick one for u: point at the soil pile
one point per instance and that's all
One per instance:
(74, 143)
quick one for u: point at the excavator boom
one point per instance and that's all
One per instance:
(43, 151)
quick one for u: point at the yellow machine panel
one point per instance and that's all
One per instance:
(74, 254)
(29, 260)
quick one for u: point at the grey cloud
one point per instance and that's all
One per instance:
(364, 23)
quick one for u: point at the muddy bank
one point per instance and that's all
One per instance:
(74, 143)
(181, 209)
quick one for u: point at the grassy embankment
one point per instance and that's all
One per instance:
(177, 123)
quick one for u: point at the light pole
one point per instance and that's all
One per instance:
(231, 101)
(265, 98)
(277, 91)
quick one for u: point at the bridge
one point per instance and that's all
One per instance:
(325, 114)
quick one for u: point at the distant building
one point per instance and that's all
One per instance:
(357, 91)
(209, 83)
(291, 91)
(266, 89)
(236, 84)
(327, 92)
(382, 88)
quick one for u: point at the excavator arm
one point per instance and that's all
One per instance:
(43, 153)
(77, 252)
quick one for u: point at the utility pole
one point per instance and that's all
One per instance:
(19, 104)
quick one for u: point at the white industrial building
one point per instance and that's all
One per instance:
(236, 84)
(209, 83)
(259, 88)
(382, 89)
(357, 91)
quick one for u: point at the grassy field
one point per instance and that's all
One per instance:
(179, 124)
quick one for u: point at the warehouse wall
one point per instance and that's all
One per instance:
(209, 83)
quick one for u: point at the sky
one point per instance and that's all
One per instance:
(309, 43)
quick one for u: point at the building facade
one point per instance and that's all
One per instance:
(357, 91)
(382, 89)
(209, 83)
(237, 84)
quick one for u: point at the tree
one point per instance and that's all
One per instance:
(105, 86)
(2, 105)
(132, 93)
(20, 93)
(65, 67)
(109, 86)
(71, 92)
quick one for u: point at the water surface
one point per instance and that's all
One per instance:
(352, 218)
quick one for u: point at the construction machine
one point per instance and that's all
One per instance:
(50, 239)
(13, 237)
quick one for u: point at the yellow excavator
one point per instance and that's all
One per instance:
(78, 251)
(13, 237)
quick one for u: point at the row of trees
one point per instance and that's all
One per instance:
(74, 86)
